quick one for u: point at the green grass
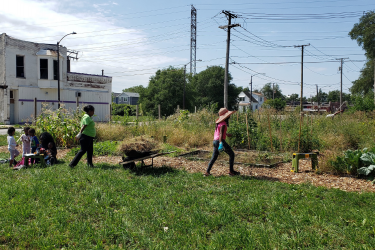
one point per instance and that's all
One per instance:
(109, 208)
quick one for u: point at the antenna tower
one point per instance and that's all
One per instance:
(193, 41)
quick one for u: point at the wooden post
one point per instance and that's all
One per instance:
(178, 109)
(247, 129)
(159, 110)
(35, 109)
(281, 135)
(195, 109)
(110, 112)
(136, 112)
(269, 128)
(300, 128)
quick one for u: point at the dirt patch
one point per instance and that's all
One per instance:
(280, 173)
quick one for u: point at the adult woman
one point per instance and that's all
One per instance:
(86, 137)
(220, 143)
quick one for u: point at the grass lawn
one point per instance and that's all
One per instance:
(161, 208)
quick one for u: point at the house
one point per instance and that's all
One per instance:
(245, 103)
(28, 70)
(126, 98)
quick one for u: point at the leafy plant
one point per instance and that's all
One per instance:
(353, 160)
(62, 124)
(368, 159)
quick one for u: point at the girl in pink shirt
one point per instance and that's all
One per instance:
(219, 141)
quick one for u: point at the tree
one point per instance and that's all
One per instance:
(323, 97)
(135, 89)
(277, 103)
(365, 83)
(364, 33)
(268, 90)
(292, 99)
(207, 87)
(164, 88)
(334, 96)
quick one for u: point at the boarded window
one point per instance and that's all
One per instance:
(55, 72)
(43, 68)
(20, 70)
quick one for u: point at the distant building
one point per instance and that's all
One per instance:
(126, 98)
(28, 70)
(244, 102)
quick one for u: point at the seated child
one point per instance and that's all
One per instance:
(34, 142)
(50, 154)
(25, 138)
(12, 144)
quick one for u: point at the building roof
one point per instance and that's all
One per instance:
(260, 94)
(247, 93)
(116, 94)
(130, 94)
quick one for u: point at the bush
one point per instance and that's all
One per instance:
(363, 103)
(123, 109)
(62, 124)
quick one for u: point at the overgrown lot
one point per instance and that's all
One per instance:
(162, 208)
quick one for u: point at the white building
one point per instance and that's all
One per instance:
(29, 70)
(245, 103)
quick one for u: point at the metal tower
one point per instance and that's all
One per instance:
(193, 41)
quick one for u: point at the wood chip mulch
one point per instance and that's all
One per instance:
(281, 173)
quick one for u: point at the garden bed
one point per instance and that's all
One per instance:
(243, 157)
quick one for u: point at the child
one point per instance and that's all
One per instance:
(25, 138)
(12, 146)
(220, 143)
(50, 154)
(34, 143)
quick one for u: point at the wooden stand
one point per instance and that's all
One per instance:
(297, 156)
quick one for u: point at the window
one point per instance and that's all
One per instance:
(11, 96)
(20, 70)
(43, 68)
(124, 99)
(55, 70)
(260, 98)
(242, 99)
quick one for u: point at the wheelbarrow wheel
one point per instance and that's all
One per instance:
(129, 165)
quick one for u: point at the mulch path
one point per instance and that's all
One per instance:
(281, 173)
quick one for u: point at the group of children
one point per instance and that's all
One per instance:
(30, 144)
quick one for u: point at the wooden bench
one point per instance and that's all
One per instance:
(296, 156)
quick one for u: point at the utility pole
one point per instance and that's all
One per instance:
(317, 95)
(342, 63)
(228, 27)
(273, 91)
(302, 46)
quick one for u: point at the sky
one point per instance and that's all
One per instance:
(131, 40)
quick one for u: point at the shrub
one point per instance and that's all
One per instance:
(62, 124)
(123, 109)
